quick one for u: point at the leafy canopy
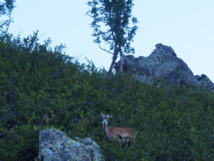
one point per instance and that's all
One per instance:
(111, 24)
(6, 9)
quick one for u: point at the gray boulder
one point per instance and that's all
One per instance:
(163, 66)
(55, 145)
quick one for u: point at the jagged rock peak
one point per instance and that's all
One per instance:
(163, 65)
(163, 51)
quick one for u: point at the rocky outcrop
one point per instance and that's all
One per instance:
(56, 145)
(163, 66)
(205, 82)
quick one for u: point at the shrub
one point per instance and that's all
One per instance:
(42, 88)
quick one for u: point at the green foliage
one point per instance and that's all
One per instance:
(111, 24)
(41, 88)
(6, 9)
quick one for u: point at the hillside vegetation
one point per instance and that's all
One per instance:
(43, 88)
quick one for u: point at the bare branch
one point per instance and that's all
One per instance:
(104, 49)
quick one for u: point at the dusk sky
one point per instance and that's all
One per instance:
(185, 25)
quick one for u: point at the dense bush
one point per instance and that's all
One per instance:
(42, 88)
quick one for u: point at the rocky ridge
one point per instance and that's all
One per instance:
(163, 65)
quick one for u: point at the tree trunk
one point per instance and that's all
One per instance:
(112, 63)
(121, 63)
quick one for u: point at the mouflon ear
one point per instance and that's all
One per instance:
(102, 115)
(109, 116)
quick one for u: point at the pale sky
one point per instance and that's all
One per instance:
(185, 25)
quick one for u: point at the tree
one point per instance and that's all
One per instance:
(6, 9)
(111, 20)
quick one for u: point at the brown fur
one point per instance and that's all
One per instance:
(121, 134)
